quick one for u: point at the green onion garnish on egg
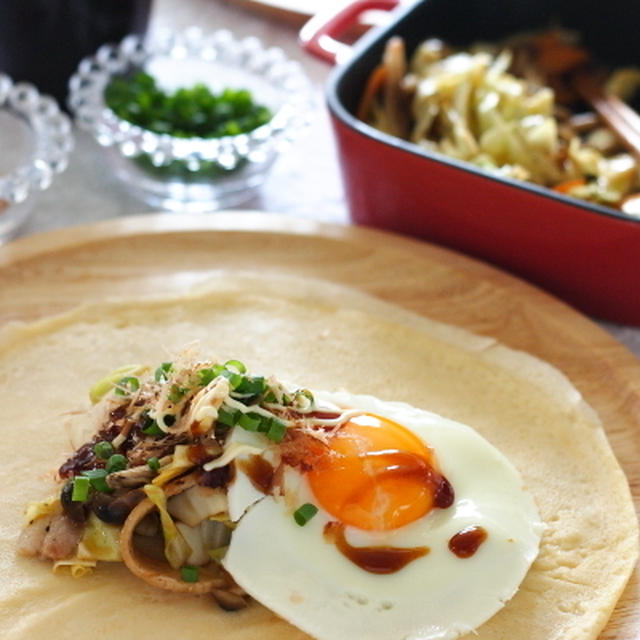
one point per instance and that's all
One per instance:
(276, 430)
(303, 514)
(249, 421)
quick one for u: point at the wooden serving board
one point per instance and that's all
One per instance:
(165, 254)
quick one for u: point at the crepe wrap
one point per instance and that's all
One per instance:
(319, 336)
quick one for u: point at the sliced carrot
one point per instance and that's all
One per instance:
(557, 57)
(568, 185)
(375, 82)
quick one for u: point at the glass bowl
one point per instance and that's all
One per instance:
(193, 174)
(38, 138)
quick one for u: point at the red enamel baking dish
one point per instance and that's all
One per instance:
(587, 254)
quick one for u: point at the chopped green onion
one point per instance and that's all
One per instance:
(153, 463)
(277, 430)
(205, 376)
(303, 398)
(265, 424)
(97, 478)
(217, 370)
(117, 462)
(80, 491)
(303, 514)
(127, 385)
(249, 421)
(176, 394)
(152, 429)
(186, 112)
(162, 372)
(236, 366)
(189, 573)
(252, 386)
(103, 449)
(234, 378)
(269, 396)
(228, 418)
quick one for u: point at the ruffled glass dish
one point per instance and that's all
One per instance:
(192, 174)
(35, 139)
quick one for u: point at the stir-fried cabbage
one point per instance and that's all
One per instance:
(176, 548)
(197, 503)
(202, 538)
(100, 541)
(473, 106)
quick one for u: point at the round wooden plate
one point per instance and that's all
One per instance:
(164, 253)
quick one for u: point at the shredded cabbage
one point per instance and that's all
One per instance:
(35, 510)
(178, 465)
(202, 538)
(197, 504)
(100, 541)
(78, 568)
(469, 105)
(176, 548)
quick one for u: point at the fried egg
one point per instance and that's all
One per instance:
(423, 529)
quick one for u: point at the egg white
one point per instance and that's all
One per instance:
(296, 573)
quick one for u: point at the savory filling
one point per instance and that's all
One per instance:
(150, 488)
(203, 478)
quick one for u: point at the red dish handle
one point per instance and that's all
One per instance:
(319, 35)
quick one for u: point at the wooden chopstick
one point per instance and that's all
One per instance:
(617, 114)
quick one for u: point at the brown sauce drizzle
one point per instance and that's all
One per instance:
(198, 454)
(325, 415)
(197, 429)
(84, 458)
(382, 560)
(466, 542)
(260, 472)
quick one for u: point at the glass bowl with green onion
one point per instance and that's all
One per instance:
(191, 121)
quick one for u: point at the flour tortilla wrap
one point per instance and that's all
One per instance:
(323, 337)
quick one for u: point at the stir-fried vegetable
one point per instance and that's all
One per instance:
(176, 548)
(498, 108)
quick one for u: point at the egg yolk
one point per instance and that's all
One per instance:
(377, 475)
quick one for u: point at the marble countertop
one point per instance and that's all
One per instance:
(305, 182)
